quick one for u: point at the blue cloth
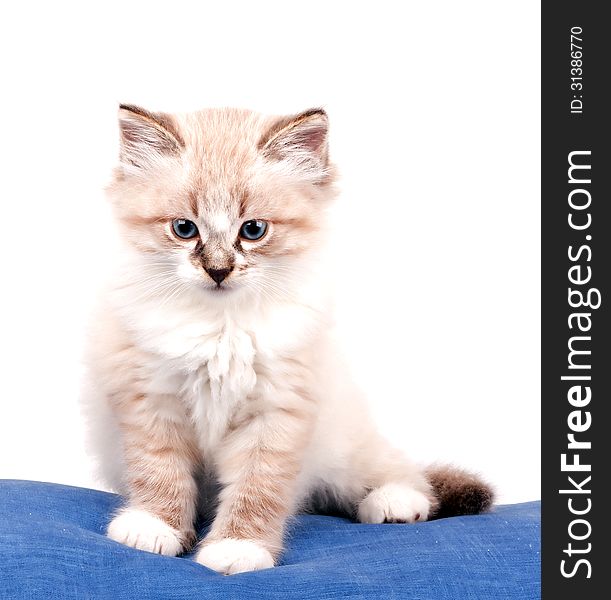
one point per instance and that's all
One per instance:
(52, 545)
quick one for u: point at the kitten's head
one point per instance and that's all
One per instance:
(222, 200)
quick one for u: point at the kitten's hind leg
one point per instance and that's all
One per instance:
(396, 491)
(394, 502)
(400, 492)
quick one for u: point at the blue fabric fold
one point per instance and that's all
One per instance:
(52, 545)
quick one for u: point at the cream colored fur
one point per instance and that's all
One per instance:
(244, 382)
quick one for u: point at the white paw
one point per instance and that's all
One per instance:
(143, 530)
(394, 503)
(231, 556)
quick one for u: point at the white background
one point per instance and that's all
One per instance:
(434, 109)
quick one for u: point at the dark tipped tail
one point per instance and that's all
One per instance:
(458, 492)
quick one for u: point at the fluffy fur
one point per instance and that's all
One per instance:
(240, 379)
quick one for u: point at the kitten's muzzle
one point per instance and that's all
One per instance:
(218, 275)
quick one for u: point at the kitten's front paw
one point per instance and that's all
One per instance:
(144, 531)
(394, 503)
(231, 556)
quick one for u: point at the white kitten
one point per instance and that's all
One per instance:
(212, 349)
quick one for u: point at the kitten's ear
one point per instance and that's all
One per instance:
(301, 143)
(146, 137)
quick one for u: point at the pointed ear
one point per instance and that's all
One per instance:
(301, 143)
(146, 137)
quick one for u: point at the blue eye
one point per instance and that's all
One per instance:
(253, 230)
(184, 229)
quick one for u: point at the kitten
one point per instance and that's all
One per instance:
(211, 349)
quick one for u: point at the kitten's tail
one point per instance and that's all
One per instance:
(458, 492)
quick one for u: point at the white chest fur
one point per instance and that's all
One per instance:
(207, 353)
(207, 359)
(216, 389)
